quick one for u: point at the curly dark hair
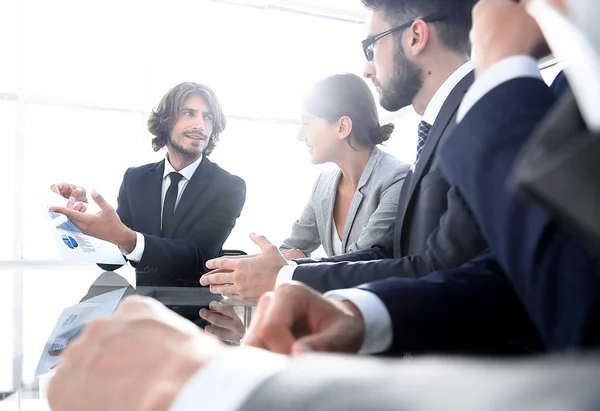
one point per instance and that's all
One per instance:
(162, 119)
(453, 30)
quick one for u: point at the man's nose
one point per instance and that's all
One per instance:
(369, 70)
(199, 125)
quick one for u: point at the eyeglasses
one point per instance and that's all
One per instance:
(367, 44)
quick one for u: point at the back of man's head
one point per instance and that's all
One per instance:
(453, 28)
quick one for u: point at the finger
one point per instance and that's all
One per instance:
(271, 327)
(56, 188)
(223, 309)
(224, 289)
(223, 263)
(62, 189)
(217, 278)
(261, 241)
(75, 216)
(325, 341)
(215, 318)
(71, 203)
(253, 336)
(79, 207)
(102, 203)
(223, 334)
(238, 257)
(79, 194)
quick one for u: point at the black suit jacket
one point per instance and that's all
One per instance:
(434, 228)
(537, 280)
(205, 215)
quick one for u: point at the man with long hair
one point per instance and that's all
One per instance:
(174, 215)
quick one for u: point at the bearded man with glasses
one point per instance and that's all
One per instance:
(418, 53)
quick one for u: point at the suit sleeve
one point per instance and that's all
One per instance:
(205, 239)
(456, 239)
(384, 215)
(554, 277)
(469, 309)
(124, 213)
(305, 232)
(336, 383)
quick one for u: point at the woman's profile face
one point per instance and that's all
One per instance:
(321, 138)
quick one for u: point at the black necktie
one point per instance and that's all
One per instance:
(424, 129)
(168, 217)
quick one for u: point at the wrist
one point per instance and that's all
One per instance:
(173, 377)
(127, 239)
(352, 310)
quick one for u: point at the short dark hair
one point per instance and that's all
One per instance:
(163, 118)
(453, 30)
(348, 95)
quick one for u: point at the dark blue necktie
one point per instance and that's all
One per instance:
(424, 129)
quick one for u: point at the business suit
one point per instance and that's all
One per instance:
(332, 383)
(434, 229)
(204, 218)
(558, 172)
(537, 277)
(372, 210)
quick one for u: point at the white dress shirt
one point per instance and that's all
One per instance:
(187, 173)
(336, 242)
(229, 381)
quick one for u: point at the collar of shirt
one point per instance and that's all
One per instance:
(440, 96)
(186, 172)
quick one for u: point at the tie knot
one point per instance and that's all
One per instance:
(175, 177)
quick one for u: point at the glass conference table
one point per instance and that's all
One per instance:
(33, 295)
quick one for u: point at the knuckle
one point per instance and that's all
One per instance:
(132, 304)
(95, 329)
(286, 289)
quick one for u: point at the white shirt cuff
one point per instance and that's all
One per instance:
(227, 382)
(286, 274)
(378, 323)
(138, 251)
(508, 69)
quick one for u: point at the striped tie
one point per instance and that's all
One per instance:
(424, 129)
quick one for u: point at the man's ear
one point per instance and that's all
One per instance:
(418, 37)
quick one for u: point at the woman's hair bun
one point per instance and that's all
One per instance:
(382, 133)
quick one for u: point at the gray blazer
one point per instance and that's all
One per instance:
(372, 211)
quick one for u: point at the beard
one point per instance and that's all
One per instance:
(405, 83)
(186, 153)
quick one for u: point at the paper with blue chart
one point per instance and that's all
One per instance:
(72, 243)
(71, 323)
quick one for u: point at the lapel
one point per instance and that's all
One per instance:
(414, 177)
(359, 196)
(195, 187)
(152, 188)
(327, 204)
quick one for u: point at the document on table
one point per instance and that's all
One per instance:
(72, 243)
(71, 323)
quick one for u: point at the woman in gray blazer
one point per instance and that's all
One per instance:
(352, 207)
